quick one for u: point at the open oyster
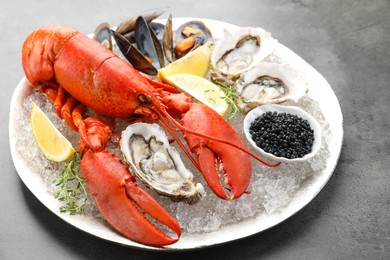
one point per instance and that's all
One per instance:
(157, 164)
(240, 50)
(270, 83)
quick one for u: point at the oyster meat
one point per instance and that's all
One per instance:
(240, 50)
(270, 83)
(157, 164)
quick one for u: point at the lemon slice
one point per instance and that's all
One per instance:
(51, 142)
(202, 89)
(196, 62)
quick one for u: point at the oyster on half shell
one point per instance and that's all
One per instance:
(240, 50)
(157, 164)
(270, 83)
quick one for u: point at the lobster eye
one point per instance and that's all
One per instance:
(143, 99)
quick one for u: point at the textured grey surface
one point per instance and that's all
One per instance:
(348, 42)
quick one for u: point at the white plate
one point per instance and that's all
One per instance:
(321, 92)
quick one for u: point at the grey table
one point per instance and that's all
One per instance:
(346, 41)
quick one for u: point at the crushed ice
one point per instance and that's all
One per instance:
(271, 189)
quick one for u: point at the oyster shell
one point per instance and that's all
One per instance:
(240, 50)
(157, 164)
(270, 83)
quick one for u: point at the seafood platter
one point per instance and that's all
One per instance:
(161, 170)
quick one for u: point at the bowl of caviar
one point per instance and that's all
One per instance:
(283, 133)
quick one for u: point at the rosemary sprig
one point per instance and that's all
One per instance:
(231, 97)
(71, 187)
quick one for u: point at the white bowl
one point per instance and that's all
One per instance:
(253, 114)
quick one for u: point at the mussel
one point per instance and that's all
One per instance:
(103, 35)
(167, 41)
(133, 55)
(191, 35)
(143, 38)
(158, 29)
(147, 43)
(129, 25)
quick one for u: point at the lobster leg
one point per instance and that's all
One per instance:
(122, 203)
(66, 112)
(50, 93)
(60, 101)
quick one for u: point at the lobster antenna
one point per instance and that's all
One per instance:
(189, 131)
(172, 131)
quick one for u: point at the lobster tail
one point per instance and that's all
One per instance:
(40, 50)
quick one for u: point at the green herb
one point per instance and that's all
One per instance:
(212, 100)
(71, 187)
(231, 97)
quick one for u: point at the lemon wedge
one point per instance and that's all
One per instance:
(196, 62)
(50, 141)
(202, 89)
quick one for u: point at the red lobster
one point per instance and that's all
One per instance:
(77, 72)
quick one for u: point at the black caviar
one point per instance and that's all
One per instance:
(282, 134)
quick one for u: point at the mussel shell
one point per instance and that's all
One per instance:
(129, 25)
(158, 30)
(197, 25)
(167, 42)
(133, 55)
(187, 41)
(129, 36)
(147, 43)
(103, 35)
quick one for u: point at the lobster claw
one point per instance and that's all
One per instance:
(213, 156)
(123, 203)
